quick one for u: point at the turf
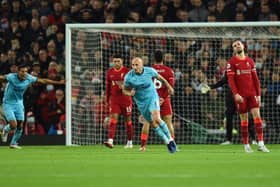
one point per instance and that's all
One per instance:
(97, 166)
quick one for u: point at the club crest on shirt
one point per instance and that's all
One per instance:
(247, 63)
(238, 72)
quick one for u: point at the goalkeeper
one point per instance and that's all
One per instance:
(230, 110)
(139, 84)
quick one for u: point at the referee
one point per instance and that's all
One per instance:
(231, 110)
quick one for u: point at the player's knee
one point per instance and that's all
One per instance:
(157, 120)
(13, 126)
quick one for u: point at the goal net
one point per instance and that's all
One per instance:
(198, 54)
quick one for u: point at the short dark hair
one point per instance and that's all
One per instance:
(117, 55)
(35, 64)
(158, 56)
(23, 65)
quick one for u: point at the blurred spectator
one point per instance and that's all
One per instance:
(55, 18)
(115, 8)
(46, 97)
(251, 13)
(213, 110)
(44, 22)
(43, 61)
(25, 33)
(4, 64)
(44, 8)
(182, 15)
(31, 127)
(174, 9)
(222, 12)
(35, 13)
(264, 12)
(150, 14)
(211, 7)
(5, 9)
(199, 13)
(51, 50)
(34, 49)
(133, 17)
(239, 16)
(17, 8)
(198, 79)
(56, 109)
(36, 33)
(97, 8)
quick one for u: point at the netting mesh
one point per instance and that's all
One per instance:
(198, 55)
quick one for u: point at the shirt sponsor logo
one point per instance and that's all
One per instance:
(246, 71)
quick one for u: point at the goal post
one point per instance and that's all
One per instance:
(197, 52)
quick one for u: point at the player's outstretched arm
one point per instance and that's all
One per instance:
(2, 77)
(49, 81)
(220, 83)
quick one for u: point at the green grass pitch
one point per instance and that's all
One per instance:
(98, 166)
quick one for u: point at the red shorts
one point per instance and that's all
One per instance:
(248, 103)
(166, 108)
(124, 109)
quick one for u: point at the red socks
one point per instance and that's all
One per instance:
(244, 132)
(144, 138)
(112, 128)
(259, 128)
(129, 130)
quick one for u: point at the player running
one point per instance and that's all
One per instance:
(139, 84)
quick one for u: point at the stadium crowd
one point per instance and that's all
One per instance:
(33, 32)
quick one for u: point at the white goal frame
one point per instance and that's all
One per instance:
(128, 26)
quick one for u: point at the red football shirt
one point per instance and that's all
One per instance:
(242, 77)
(168, 74)
(114, 82)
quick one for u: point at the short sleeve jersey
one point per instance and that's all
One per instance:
(15, 88)
(114, 82)
(242, 70)
(166, 73)
(142, 84)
